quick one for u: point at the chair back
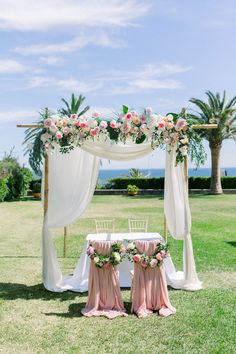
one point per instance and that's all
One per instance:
(104, 226)
(136, 225)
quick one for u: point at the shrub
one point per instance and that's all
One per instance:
(3, 189)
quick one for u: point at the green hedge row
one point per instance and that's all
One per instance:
(158, 182)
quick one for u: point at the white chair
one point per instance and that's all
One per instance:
(138, 225)
(104, 226)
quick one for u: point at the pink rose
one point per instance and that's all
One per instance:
(76, 122)
(95, 114)
(161, 124)
(163, 253)
(83, 124)
(103, 124)
(74, 116)
(53, 128)
(128, 115)
(66, 131)
(90, 250)
(153, 263)
(137, 258)
(143, 127)
(136, 120)
(93, 132)
(143, 118)
(106, 265)
(125, 128)
(159, 257)
(59, 135)
(48, 123)
(180, 123)
(113, 124)
(148, 110)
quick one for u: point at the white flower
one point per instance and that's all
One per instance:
(184, 141)
(96, 260)
(131, 246)
(92, 123)
(117, 257)
(183, 150)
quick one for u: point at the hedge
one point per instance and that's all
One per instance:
(158, 182)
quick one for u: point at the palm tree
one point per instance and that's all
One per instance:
(74, 106)
(216, 110)
(135, 173)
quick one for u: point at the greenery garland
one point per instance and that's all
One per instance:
(101, 261)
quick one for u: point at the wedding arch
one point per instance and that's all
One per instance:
(73, 147)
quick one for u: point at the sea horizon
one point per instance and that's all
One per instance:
(106, 174)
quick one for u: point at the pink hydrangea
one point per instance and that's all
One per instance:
(59, 135)
(137, 258)
(113, 124)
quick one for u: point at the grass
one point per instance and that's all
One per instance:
(37, 321)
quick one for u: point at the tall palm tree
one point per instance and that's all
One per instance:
(222, 112)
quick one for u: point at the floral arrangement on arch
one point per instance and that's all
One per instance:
(170, 130)
(101, 261)
(152, 261)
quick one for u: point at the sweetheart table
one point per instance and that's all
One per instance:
(81, 273)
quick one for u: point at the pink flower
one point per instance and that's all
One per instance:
(93, 132)
(103, 124)
(159, 257)
(59, 135)
(125, 128)
(144, 264)
(153, 263)
(148, 110)
(143, 127)
(48, 123)
(106, 265)
(53, 128)
(113, 124)
(83, 124)
(66, 131)
(143, 118)
(74, 116)
(169, 125)
(163, 253)
(90, 250)
(95, 114)
(129, 115)
(161, 124)
(76, 122)
(136, 120)
(137, 258)
(180, 123)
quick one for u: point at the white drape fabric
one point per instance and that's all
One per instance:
(72, 181)
(178, 216)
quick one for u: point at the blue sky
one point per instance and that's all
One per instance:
(139, 53)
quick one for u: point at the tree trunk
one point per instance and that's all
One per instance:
(215, 187)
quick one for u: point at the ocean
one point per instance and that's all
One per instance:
(105, 175)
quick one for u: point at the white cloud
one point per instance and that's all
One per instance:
(98, 38)
(31, 15)
(144, 78)
(68, 84)
(50, 60)
(20, 116)
(8, 66)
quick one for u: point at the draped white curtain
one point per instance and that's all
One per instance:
(72, 181)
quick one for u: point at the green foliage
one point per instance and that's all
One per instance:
(73, 106)
(132, 188)
(158, 182)
(12, 171)
(3, 189)
(27, 178)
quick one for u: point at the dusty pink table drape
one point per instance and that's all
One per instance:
(104, 295)
(149, 290)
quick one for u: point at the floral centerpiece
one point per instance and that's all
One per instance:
(152, 261)
(172, 130)
(101, 261)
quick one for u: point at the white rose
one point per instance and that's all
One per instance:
(96, 260)
(117, 256)
(131, 246)
(184, 141)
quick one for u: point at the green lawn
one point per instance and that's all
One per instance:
(34, 320)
